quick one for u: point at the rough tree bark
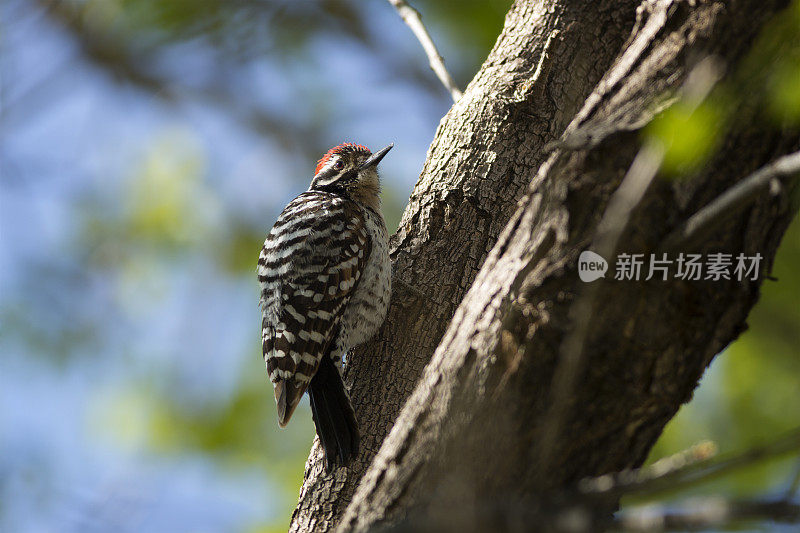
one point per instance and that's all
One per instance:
(546, 61)
(471, 433)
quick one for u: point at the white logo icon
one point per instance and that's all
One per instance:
(591, 266)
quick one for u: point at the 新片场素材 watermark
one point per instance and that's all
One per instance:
(689, 267)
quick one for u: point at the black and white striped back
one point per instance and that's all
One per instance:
(309, 267)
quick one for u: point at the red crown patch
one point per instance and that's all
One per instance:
(344, 147)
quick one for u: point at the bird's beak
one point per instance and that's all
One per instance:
(376, 157)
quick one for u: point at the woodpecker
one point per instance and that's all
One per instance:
(325, 284)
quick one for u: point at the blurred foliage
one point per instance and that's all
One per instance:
(164, 204)
(690, 134)
(240, 432)
(471, 25)
(239, 29)
(771, 72)
(141, 42)
(165, 218)
(165, 207)
(764, 86)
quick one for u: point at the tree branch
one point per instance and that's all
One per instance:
(711, 512)
(732, 201)
(656, 479)
(414, 21)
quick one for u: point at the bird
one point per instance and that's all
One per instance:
(325, 281)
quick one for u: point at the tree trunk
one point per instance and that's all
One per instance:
(485, 425)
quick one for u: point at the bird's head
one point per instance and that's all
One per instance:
(351, 170)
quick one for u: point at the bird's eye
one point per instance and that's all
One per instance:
(338, 165)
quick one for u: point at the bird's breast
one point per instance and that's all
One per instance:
(370, 301)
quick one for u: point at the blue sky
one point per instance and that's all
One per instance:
(97, 327)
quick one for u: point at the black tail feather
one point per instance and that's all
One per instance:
(333, 415)
(321, 421)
